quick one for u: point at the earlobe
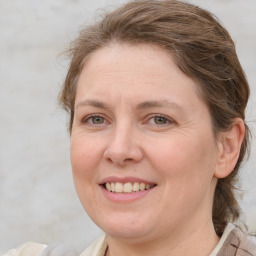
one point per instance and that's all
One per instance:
(229, 144)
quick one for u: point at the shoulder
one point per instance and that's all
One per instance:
(245, 244)
(28, 249)
(239, 244)
(97, 248)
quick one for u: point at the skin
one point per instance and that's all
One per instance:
(138, 115)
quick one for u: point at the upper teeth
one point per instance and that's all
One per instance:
(127, 187)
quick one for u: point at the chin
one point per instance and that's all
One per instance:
(125, 225)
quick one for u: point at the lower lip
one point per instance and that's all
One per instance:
(126, 197)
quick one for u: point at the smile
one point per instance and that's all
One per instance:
(128, 187)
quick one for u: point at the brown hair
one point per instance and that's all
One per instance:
(202, 49)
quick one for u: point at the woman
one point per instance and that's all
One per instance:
(156, 97)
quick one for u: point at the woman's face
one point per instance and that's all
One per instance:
(142, 148)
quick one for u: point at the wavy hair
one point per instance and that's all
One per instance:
(202, 49)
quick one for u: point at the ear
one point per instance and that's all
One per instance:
(229, 145)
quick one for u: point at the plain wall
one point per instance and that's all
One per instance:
(37, 197)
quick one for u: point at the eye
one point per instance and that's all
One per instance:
(160, 120)
(95, 120)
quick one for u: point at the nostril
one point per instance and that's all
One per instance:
(122, 155)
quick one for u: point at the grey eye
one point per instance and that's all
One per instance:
(96, 120)
(160, 120)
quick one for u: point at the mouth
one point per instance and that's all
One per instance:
(127, 187)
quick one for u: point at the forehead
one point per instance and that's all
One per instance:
(142, 70)
(127, 56)
(120, 60)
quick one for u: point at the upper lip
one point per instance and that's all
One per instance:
(125, 180)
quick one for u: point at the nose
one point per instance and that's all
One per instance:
(124, 147)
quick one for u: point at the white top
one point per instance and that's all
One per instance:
(28, 249)
(97, 248)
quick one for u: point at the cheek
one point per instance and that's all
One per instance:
(84, 158)
(187, 172)
(84, 162)
(185, 161)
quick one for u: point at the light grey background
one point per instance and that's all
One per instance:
(37, 197)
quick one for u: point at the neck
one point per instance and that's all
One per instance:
(191, 241)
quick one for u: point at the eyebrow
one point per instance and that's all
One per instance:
(143, 105)
(93, 103)
(161, 104)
